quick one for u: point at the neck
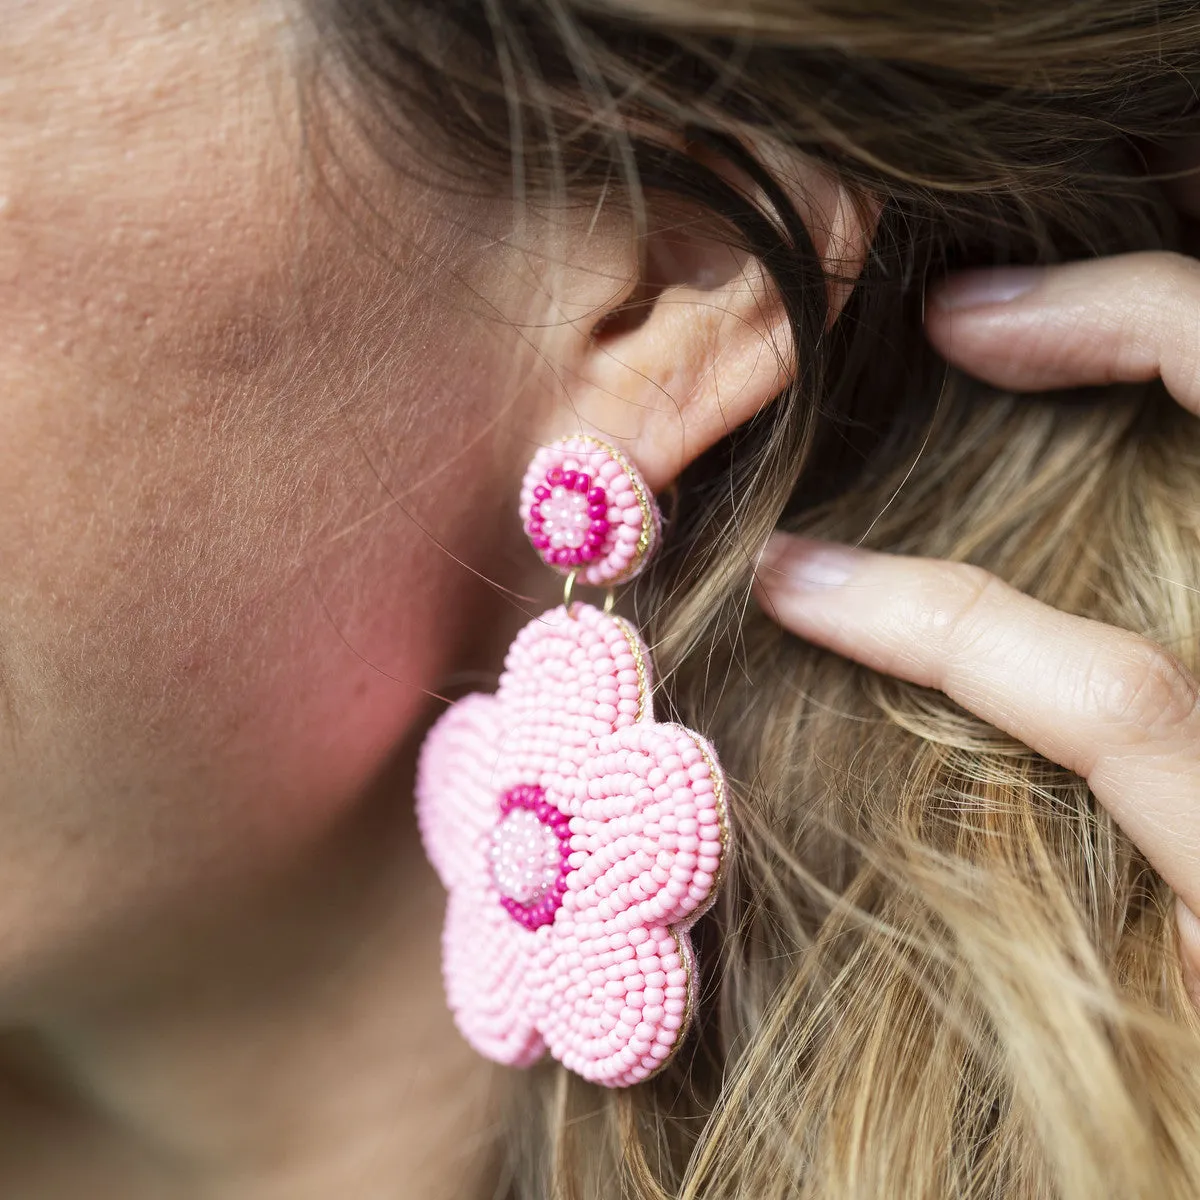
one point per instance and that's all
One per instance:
(299, 1047)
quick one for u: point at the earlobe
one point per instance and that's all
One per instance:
(699, 339)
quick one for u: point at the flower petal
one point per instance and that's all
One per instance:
(615, 1006)
(648, 843)
(456, 789)
(569, 678)
(486, 960)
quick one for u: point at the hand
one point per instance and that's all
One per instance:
(1103, 702)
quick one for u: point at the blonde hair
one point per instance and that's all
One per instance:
(938, 969)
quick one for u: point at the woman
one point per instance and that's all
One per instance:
(291, 295)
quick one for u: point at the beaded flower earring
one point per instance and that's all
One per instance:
(578, 838)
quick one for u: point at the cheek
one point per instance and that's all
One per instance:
(234, 499)
(216, 630)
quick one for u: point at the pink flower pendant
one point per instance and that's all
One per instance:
(578, 839)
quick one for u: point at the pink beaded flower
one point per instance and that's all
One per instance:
(578, 839)
(586, 508)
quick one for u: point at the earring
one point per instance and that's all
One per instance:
(578, 838)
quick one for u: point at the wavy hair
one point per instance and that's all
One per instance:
(938, 968)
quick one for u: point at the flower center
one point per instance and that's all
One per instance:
(525, 857)
(565, 518)
(528, 856)
(568, 520)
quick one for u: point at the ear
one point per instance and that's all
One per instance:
(688, 338)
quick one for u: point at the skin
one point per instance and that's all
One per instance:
(205, 676)
(265, 407)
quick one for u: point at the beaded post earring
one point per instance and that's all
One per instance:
(578, 838)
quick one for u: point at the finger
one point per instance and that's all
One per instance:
(1103, 702)
(1122, 319)
(1189, 948)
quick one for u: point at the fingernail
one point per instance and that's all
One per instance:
(805, 564)
(978, 289)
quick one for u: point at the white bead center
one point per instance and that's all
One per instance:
(565, 518)
(525, 856)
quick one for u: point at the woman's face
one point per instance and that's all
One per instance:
(240, 459)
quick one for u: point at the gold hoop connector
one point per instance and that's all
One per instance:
(610, 602)
(568, 589)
